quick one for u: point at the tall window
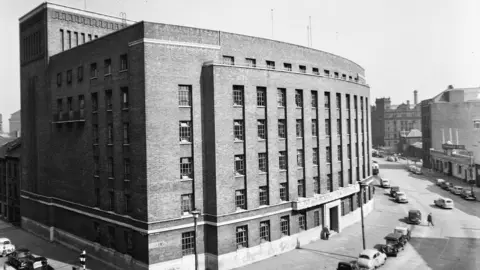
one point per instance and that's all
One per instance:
(282, 129)
(185, 131)
(281, 97)
(339, 127)
(108, 100)
(299, 128)
(69, 76)
(111, 204)
(261, 129)
(350, 179)
(265, 230)
(316, 218)
(126, 169)
(240, 200)
(270, 64)
(110, 167)
(93, 70)
(340, 178)
(283, 192)
(96, 166)
(327, 127)
(282, 160)
(94, 102)
(287, 66)
(242, 237)
(240, 165)
(124, 98)
(186, 168)
(59, 79)
(347, 99)
(123, 62)
(329, 182)
(285, 225)
(315, 71)
(110, 134)
(299, 98)
(95, 134)
(302, 222)
(187, 202)
(69, 39)
(262, 162)
(62, 39)
(188, 243)
(316, 185)
(261, 96)
(327, 100)
(97, 197)
(349, 126)
(126, 136)
(300, 162)
(338, 101)
(303, 69)
(238, 130)
(314, 127)
(80, 73)
(238, 95)
(315, 156)
(328, 154)
(339, 152)
(263, 195)
(314, 99)
(81, 102)
(185, 95)
(301, 187)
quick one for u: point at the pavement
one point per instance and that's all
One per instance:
(59, 257)
(453, 243)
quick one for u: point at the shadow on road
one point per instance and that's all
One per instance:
(328, 254)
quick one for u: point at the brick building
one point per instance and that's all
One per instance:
(378, 121)
(15, 124)
(127, 133)
(10, 170)
(451, 132)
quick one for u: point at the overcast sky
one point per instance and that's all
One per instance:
(403, 45)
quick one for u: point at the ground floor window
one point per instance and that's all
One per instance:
(188, 243)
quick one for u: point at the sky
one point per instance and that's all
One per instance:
(403, 45)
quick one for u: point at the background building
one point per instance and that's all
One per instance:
(401, 119)
(15, 124)
(10, 171)
(451, 132)
(127, 133)
(1, 124)
(378, 121)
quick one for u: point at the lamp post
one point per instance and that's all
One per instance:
(195, 213)
(361, 211)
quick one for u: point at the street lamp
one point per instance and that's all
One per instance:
(361, 211)
(195, 213)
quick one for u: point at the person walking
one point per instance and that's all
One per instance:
(430, 220)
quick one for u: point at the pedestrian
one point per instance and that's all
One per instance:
(327, 233)
(430, 220)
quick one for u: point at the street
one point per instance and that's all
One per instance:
(454, 242)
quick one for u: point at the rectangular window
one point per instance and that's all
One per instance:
(300, 162)
(251, 62)
(228, 60)
(185, 95)
(270, 64)
(185, 131)
(261, 129)
(282, 160)
(314, 99)
(187, 202)
(263, 195)
(107, 65)
(285, 225)
(299, 128)
(262, 162)
(126, 136)
(342, 207)
(186, 168)
(110, 167)
(299, 98)
(59, 79)
(302, 222)
(111, 204)
(80, 73)
(315, 156)
(282, 129)
(287, 66)
(123, 62)
(126, 169)
(281, 97)
(340, 178)
(238, 95)
(238, 130)
(316, 185)
(124, 91)
(96, 166)
(316, 218)
(93, 71)
(329, 182)
(69, 39)
(62, 39)
(188, 243)
(315, 71)
(239, 165)
(303, 69)
(89, 37)
(314, 127)
(97, 197)
(283, 192)
(70, 104)
(347, 99)
(240, 200)
(326, 73)
(81, 102)
(339, 152)
(301, 188)
(69, 76)
(335, 75)
(264, 231)
(94, 102)
(95, 134)
(110, 134)
(261, 96)
(83, 38)
(328, 154)
(241, 236)
(476, 124)
(327, 127)
(96, 36)
(76, 38)
(350, 179)
(344, 77)
(59, 106)
(339, 127)
(327, 100)
(108, 100)
(349, 126)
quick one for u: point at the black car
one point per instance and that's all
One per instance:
(389, 249)
(394, 190)
(348, 266)
(22, 259)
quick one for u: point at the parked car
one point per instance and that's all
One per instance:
(390, 158)
(384, 183)
(401, 197)
(411, 168)
(348, 266)
(394, 190)
(439, 182)
(375, 168)
(371, 259)
(396, 239)
(418, 170)
(468, 195)
(447, 185)
(457, 190)
(404, 231)
(6, 246)
(389, 250)
(22, 259)
(444, 203)
(414, 217)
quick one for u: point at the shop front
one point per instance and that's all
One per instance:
(455, 164)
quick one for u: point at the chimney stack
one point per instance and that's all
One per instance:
(415, 97)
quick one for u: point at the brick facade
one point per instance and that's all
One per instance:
(145, 210)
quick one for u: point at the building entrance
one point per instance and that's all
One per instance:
(334, 218)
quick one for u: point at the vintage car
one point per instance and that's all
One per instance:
(384, 183)
(397, 240)
(401, 197)
(348, 266)
(447, 185)
(439, 182)
(417, 170)
(390, 158)
(22, 259)
(394, 190)
(6, 246)
(389, 250)
(444, 203)
(411, 168)
(371, 259)
(375, 168)
(457, 190)
(403, 231)
(468, 195)
(414, 217)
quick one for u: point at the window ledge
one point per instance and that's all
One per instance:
(186, 179)
(125, 108)
(184, 106)
(185, 142)
(283, 139)
(282, 170)
(239, 175)
(123, 70)
(109, 144)
(240, 210)
(93, 78)
(126, 144)
(95, 111)
(95, 144)
(111, 178)
(261, 140)
(238, 141)
(262, 106)
(263, 206)
(109, 110)
(96, 176)
(237, 106)
(315, 165)
(108, 74)
(262, 173)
